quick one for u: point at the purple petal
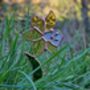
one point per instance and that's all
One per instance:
(57, 40)
(47, 36)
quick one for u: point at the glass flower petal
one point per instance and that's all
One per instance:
(38, 47)
(38, 22)
(32, 35)
(47, 35)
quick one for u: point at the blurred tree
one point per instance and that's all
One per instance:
(84, 11)
(1, 10)
(1, 1)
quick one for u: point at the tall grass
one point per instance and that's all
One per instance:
(59, 73)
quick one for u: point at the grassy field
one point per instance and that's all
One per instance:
(62, 70)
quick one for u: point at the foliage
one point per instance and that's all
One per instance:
(60, 73)
(68, 68)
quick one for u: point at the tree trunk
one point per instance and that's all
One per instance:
(84, 11)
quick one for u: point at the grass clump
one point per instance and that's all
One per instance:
(59, 73)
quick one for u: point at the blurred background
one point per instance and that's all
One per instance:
(62, 8)
(73, 16)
